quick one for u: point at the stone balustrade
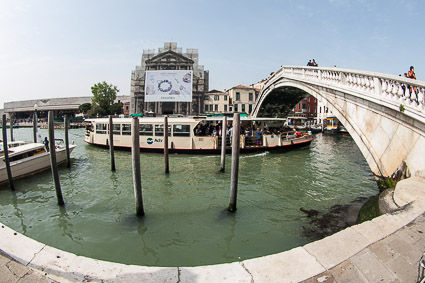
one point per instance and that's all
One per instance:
(394, 89)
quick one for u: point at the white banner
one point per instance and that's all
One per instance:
(168, 85)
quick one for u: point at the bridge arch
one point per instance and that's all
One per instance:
(384, 118)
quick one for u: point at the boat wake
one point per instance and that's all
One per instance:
(254, 155)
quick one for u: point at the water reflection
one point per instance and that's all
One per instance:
(65, 225)
(18, 212)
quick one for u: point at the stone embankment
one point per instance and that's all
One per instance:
(385, 249)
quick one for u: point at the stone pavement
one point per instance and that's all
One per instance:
(12, 271)
(385, 249)
(392, 259)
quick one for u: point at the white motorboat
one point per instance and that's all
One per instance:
(29, 159)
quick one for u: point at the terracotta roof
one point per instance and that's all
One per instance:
(241, 86)
(215, 91)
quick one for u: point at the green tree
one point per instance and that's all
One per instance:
(84, 108)
(103, 99)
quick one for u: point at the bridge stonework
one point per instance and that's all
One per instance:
(384, 114)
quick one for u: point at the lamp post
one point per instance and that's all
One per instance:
(34, 122)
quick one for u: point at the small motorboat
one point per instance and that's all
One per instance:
(29, 159)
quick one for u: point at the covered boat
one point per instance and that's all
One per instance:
(29, 159)
(196, 135)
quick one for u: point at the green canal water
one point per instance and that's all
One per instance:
(186, 222)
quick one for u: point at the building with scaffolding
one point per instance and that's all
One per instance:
(170, 57)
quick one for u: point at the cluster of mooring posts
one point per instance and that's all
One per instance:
(52, 152)
(135, 157)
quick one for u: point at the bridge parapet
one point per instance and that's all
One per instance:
(394, 90)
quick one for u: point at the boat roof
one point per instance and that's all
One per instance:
(181, 119)
(25, 148)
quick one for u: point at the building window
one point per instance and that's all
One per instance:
(225, 107)
(206, 107)
(250, 96)
(238, 97)
(211, 107)
(216, 97)
(250, 108)
(225, 97)
(304, 105)
(206, 97)
(216, 107)
(236, 108)
(230, 109)
(243, 107)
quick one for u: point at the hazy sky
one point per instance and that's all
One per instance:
(53, 48)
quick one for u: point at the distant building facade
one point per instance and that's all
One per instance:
(170, 57)
(238, 99)
(61, 106)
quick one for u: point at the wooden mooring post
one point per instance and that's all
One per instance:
(235, 162)
(111, 143)
(53, 163)
(34, 125)
(6, 154)
(167, 163)
(223, 144)
(68, 158)
(135, 158)
(11, 130)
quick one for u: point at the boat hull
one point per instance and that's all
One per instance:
(32, 165)
(303, 142)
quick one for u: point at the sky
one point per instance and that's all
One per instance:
(59, 48)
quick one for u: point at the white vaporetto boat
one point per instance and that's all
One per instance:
(29, 159)
(195, 135)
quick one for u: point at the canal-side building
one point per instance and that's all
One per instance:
(238, 99)
(170, 57)
(304, 112)
(243, 99)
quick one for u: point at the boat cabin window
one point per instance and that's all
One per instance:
(181, 130)
(26, 154)
(146, 129)
(116, 128)
(101, 128)
(159, 130)
(126, 129)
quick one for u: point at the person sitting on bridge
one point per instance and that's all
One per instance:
(411, 75)
(309, 63)
(314, 64)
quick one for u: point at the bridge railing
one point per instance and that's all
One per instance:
(407, 93)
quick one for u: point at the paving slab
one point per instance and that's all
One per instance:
(232, 272)
(334, 249)
(63, 265)
(371, 268)
(347, 272)
(378, 228)
(18, 247)
(291, 266)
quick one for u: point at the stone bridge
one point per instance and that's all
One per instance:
(384, 114)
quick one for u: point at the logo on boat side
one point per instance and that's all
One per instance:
(149, 141)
